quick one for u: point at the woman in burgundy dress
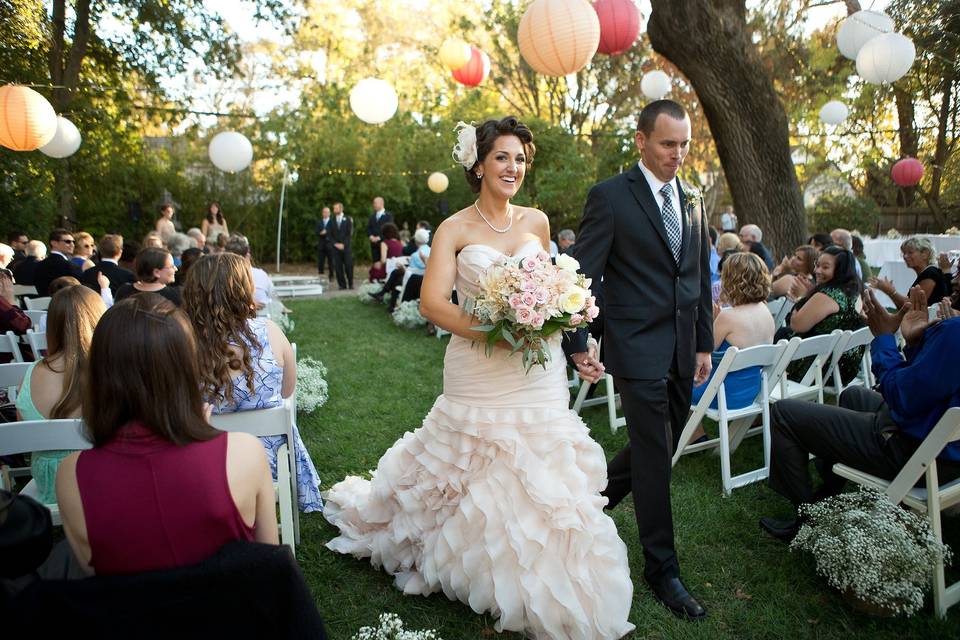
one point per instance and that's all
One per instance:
(391, 247)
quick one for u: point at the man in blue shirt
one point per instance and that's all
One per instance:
(870, 431)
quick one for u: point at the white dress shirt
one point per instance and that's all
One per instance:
(655, 185)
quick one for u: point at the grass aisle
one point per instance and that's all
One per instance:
(383, 381)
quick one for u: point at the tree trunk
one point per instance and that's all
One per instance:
(909, 146)
(711, 44)
(940, 154)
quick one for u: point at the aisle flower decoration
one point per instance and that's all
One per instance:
(366, 290)
(312, 388)
(407, 315)
(893, 234)
(525, 301)
(391, 628)
(872, 550)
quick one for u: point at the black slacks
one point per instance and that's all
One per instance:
(656, 411)
(343, 264)
(858, 433)
(325, 258)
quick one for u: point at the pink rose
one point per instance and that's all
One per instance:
(592, 301)
(529, 284)
(537, 321)
(543, 256)
(528, 298)
(593, 312)
(524, 316)
(541, 295)
(515, 300)
(528, 264)
(576, 319)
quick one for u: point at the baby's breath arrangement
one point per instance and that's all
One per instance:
(871, 548)
(893, 234)
(391, 628)
(366, 290)
(312, 388)
(407, 315)
(952, 231)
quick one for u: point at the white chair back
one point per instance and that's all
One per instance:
(42, 435)
(774, 306)
(810, 385)
(10, 344)
(11, 375)
(24, 290)
(781, 317)
(37, 304)
(37, 342)
(36, 318)
(851, 340)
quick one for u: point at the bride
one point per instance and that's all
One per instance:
(495, 500)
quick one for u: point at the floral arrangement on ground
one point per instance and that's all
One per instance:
(312, 387)
(391, 628)
(366, 291)
(871, 549)
(407, 315)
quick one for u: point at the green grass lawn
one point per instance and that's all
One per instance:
(383, 380)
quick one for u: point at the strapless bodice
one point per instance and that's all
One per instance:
(474, 259)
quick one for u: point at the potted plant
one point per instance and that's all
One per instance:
(879, 555)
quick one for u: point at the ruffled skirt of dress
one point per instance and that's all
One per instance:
(499, 508)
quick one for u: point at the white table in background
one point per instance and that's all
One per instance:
(902, 277)
(879, 251)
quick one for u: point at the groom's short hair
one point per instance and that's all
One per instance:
(648, 117)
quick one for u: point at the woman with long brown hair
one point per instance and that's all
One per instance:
(51, 387)
(245, 362)
(161, 488)
(214, 224)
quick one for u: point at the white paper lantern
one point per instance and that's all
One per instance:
(438, 182)
(859, 28)
(834, 112)
(65, 141)
(886, 58)
(230, 151)
(655, 84)
(373, 100)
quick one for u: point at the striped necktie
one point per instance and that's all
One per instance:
(671, 221)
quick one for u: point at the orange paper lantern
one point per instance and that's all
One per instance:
(27, 121)
(559, 37)
(475, 71)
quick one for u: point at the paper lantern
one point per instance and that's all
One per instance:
(558, 37)
(438, 182)
(907, 172)
(886, 58)
(619, 25)
(859, 28)
(475, 71)
(455, 53)
(27, 121)
(834, 112)
(373, 100)
(65, 141)
(230, 151)
(655, 84)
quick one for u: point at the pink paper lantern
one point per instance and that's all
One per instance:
(907, 172)
(619, 25)
(475, 71)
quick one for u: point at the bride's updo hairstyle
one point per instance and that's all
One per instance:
(487, 134)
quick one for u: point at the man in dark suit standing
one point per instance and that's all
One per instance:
(110, 248)
(341, 238)
(57, 263)
(324, 248)
(645, 235)
(378, 218)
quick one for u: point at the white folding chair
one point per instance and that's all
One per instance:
(20, 290)
(609, 397)
(11, 375)
(393, 263)
(37, 342)
(781, 317)
(275, 421)
(40, 435)
(37, 304)
(810, 386)
(923, 500)
(735, 423)
(852, 340)
(36, 317)
(774, 306)
(292, 455)
(10, 344)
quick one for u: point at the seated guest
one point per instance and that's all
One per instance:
(155, 273)
(752, 238)
(870, 431)
(110, 249)
(57, 263)
(416, 267)
(18, 242)
(128, 258)
(25, 271)
(199, 239)
(186, 261)
(51, 386)
(566, 238)
(865, 270)
(746, 323)
(262, 284)
(390, 247)
(820, 241)
(714, 256)
(245, 362)
(153, 240)
(6, 255)
(919, 255)
(799, 266)
(844, 239)
(177, 243)
(411, 245)
(161, 488)
(12, 318)
(83, 251)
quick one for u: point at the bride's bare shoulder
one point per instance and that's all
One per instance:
(457, 228)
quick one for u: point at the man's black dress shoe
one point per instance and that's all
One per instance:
(785, 530)
(671, 593)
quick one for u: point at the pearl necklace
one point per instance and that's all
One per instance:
(476, 205)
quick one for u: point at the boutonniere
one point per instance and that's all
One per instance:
(691, 195)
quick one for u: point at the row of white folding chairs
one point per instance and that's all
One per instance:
(51, 435)
(779, 309)
(10, 343)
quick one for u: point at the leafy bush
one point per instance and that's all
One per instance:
(832, 212)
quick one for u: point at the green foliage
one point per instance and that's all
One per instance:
(832, 212)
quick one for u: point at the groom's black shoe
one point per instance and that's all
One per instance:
(671, 593)
(785, 530)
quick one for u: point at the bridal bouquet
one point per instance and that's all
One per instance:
(526, 300)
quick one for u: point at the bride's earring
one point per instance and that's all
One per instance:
(479, 175)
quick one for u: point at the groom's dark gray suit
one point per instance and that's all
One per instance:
(657, 315)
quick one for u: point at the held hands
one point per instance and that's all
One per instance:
(703, 367)
(374, 238)
(338, 246)
(588, 364)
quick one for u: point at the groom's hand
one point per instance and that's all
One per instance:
(704, 365)
(589, 366)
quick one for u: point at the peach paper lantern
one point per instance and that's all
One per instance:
(27, 121)
(559, 37)
(907, 172)
(619, 25)
(455, 53)
(475, 71)
(438, 182)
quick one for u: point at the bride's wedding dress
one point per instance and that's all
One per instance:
(495, 499)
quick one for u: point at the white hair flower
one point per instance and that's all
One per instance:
(465, 151)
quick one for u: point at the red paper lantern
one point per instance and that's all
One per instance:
(907, 172)
(619, 25)
(475, 71)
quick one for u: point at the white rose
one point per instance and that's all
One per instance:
(567, 263)
(573, 299)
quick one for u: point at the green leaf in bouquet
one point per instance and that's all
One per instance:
(483, 328)
(511, 340)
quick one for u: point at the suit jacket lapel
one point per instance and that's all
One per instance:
(643, 194)
(685, 220)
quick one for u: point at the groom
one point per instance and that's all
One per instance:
(647, 239)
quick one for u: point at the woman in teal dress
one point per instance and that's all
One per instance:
(51, 387)
(830, 305)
